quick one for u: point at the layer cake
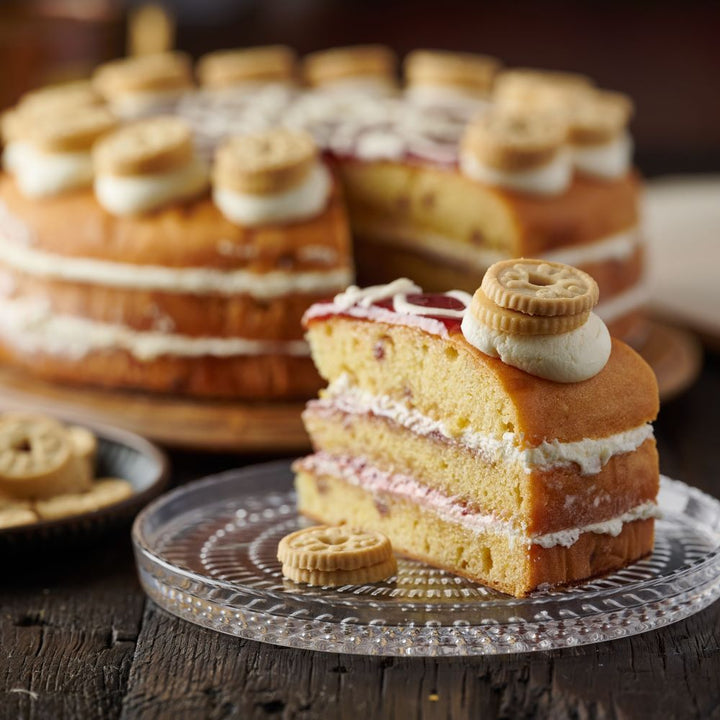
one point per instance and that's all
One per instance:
(466, 461)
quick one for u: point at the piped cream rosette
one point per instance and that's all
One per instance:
(437, 76)
(247, 68)
(147, 165)
(599, 141)
(519, 151)
(597, 120)
(272, 177)
(50, 101)
(143, 85)
(537, 316)
(366, 69)
(52, 151)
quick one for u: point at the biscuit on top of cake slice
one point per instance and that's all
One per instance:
(504, 436)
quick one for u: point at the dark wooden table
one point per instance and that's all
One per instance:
(78, 639)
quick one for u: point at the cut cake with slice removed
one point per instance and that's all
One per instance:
(467, 462)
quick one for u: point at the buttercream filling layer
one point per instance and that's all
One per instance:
(589, 454)
(306, 200)
(619, 246)
(263, 286)
(31, 326)
(550, 179)
(360, 473)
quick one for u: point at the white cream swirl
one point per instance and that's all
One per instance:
(41, 174)
(130, 195)
(298, 203)
(607, 161)
(566, 357)
(552, 178)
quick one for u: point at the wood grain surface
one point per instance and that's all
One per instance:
(78, 640)
(205, 424)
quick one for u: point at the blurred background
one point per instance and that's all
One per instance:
(666, 55)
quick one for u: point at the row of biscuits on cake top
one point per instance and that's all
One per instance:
(540, 125)
(275, 176)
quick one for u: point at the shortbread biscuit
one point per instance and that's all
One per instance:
(64, 96)
(539, 91)
(38, 459)
(331, 548)
(599, 117)
(265, 163)
(74, 130)
(103, 492)
(85, 446)
(16, 512)
(514, 141)
(156, 72)
(225, 68)
(336, 578)
(539, 287)
(156, 145)
(327, 66)
(513, 322)
(471, 72)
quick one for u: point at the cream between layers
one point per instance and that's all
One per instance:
(306, 200)
(359, 472)
(608, 161)
(128, 195)
(551, 179)
(31, 326)
(40, 174)
(567, 357)
(590, 454)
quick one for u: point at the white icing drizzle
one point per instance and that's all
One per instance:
(365, 297)
(361, 473)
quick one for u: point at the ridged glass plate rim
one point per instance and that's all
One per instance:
(310, 620)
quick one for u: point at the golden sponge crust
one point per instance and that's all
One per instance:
(496, 397)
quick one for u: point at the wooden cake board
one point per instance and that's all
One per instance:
(183, 423)
(217, 425)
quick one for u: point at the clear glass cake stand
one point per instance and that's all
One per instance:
(206, 553)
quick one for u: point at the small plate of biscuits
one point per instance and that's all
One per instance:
(64, 480)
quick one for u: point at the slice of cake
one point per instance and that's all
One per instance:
(504, 437)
